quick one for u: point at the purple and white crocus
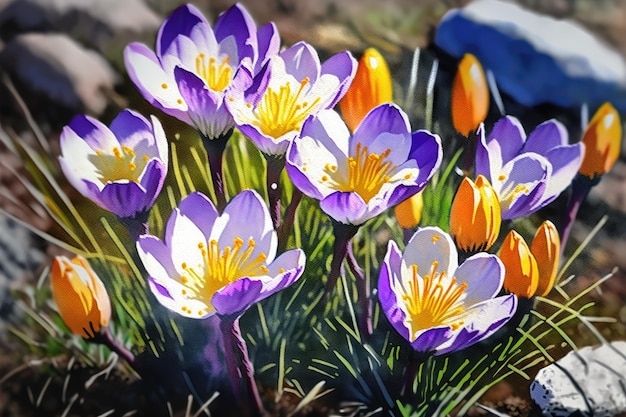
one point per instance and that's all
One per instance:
(217, 264)
(121, 168)
(437, 305)
(193, 65)
(527, 173)
(356, 177)
(271, 107)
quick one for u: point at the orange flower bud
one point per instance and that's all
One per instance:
(546, 248)
(522, 274)
(475, 215)
(470, 96)
(602, 139)
(371, 87)
(82, 300)
(409, 212)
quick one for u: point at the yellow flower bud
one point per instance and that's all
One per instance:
(522, 274)
(470, 96)
(602, 139)
(371, 87)
(81, 298)
(475, 215)
(409, 212)
(546, 248)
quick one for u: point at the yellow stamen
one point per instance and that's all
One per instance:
(119, 164)
(217, 77)
(367, 173)
(281, 111)
(436, 303)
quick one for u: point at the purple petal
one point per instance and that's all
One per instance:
(180, 22)
(483, 273)
(297, 177)
(237, 22)
(482, 164)
(510, 135)
(156, 257)
(430, 244)
(531, 170)
(428, 153)
(131, 128)
(430, 339)
(347, 208)
(343, 66)
(386, 294)
(268, 41)
(206, 107)
(401, 193)
(483, 320)
(386, 118)
(152, 180)
(237, 297)
(200, 210)
(95, 133)
(565, 162)
(124, 199)
(301, 61)
(546, 136)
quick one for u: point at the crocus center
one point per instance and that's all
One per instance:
(284, 110)
(435, 302)
(367, 172)
(121, 164)
(216, 75)
(221, 266)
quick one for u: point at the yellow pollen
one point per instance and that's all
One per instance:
(367, 173)
(164, 85)
(324, 177)
(220, 267)
(435, 302)
(179, 101)
(217, 76)
(280, 112)
(434, 239)
(501, 177)
(119, 163)
(281, 270)
(407, 176)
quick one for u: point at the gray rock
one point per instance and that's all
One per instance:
(536, 59)
(61, 70)
(106, 26)
(588, 382)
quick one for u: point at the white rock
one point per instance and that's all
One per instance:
(590, 381)
(59, 68)
(535, 58)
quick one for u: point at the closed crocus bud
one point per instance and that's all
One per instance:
(602, 140)
(371, 86)
(522, 274)
(81, 298)
(475, 215)
(470, 96)
(546, 248)
(409, 212)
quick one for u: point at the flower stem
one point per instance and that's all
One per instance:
(580, 188)
(469, 154)
(240, 370)
(343, 234)
(215, 153)
(363, 294)
(415, 361)
(290, 215)
(104, 337)
(275, 167)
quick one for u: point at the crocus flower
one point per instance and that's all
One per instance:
(546, 248)
(121, 168)
(602, 139)
(193, 65)
(271, 107)
(437, 305)
(358, 177)
(80, 295)
(475, 215)
(527, 173)
(371, 86)
(210, 263)
(470, 96)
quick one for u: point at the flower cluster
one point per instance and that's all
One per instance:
(216, 253)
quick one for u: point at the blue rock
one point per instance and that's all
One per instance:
(536, 59)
